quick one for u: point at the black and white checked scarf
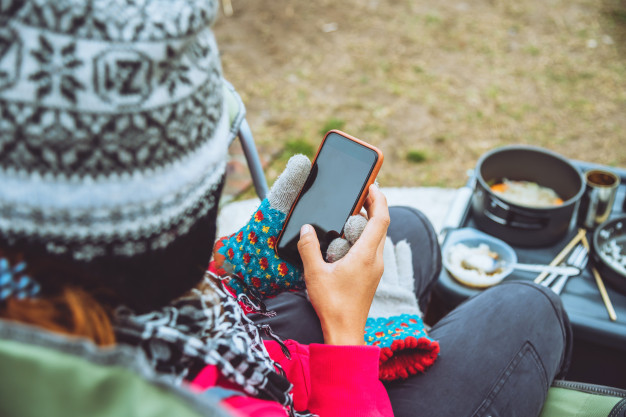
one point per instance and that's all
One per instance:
(206, 328)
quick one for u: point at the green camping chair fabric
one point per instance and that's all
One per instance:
(45, 374)
(575, 399)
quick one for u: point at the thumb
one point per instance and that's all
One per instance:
(309, 248)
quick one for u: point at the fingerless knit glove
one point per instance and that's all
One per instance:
(394, 321)
(248, 255)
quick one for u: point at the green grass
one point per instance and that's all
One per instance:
(434, 85)
(432, 19)
(532, 50)
(332, 123)
(416, 156)
(296, 146)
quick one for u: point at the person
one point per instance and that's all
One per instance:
(114, 144)
(500, 350)
(114, 139)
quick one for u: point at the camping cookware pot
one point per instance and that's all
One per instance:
(520, 224)
(609, 244)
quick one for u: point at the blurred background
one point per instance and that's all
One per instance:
(433, 84)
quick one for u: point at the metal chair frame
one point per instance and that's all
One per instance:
(253, 159)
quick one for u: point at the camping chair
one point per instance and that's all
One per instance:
(241, 129)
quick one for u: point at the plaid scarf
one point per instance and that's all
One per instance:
(207, 327)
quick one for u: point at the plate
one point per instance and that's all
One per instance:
(472, 238)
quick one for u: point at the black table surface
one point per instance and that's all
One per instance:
(580, 296)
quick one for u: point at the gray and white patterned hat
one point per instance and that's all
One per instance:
(113, 132)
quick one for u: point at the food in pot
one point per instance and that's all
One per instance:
(526, 193)
(471, 272)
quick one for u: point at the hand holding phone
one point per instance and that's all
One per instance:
(335, 189)
(341, 292)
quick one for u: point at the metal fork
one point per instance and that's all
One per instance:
(578, 258)
(574, 253)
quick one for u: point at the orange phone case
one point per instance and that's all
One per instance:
(370, 180)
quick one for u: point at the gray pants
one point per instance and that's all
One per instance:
(500, 350)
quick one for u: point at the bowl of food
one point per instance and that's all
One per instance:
(609, 244)
(526, 195)
(476, 259)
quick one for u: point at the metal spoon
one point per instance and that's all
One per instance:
(489, 265)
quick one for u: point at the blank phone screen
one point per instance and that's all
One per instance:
(330, 193)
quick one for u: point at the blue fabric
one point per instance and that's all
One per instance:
(219, 393)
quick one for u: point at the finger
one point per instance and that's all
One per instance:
(309, 248)
(368, 200)
(354, 227)
(375, 199)
(376, 229)
(289, 183)
(337, 249)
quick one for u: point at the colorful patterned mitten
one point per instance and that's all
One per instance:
(249, 253)
(395, 320)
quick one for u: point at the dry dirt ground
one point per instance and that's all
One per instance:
(433, 84)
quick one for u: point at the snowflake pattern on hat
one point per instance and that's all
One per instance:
(14, 283)
(113, 133)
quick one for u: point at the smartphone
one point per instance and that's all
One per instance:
(335, 189)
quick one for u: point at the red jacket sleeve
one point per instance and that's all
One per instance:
(333, 381)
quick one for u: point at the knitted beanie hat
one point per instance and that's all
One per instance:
(113, 141)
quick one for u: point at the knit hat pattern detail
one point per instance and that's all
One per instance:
(113, 133)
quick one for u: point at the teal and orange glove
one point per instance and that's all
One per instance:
(248, 255)
(394, 321)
